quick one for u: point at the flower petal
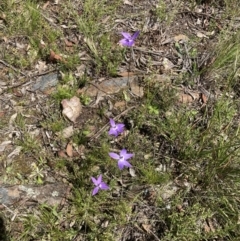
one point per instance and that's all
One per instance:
(130, 44)
(126, 35)
(114, 155)
(120, 165)
(113, 132)
(112, 122)
(95, 181)
(124, 42)
(120, 127)
(104, 186)
(99, 180)
(135, 35)
(126, 163)
(95, 191)
(128, 156)
(123, 152)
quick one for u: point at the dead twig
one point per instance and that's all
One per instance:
(148, 51)
(27, 82)
(198, 13)
(11, 67)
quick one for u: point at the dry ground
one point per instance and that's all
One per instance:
(48, 54)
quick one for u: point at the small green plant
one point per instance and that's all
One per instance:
(85, 100)
(37, 174)
(28, 143)
(153, 110)
(161, 10)
(63, 92)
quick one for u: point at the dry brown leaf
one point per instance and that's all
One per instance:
(204, 98)
(69, 149)
(71, 108)
(181, 37)
(69, 46)
(188, 98)
(185, 98)
(55, 57)
(147, 227)
(62, 153)
(68, 43)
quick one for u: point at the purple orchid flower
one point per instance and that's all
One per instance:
(99, 184)
(115, 129)
(122, 158)
(128, 40)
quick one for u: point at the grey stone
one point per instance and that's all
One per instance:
(45, 81)
(51, 194)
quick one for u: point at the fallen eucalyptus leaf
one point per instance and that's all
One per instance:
(69, 149)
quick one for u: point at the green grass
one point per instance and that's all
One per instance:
(186, 182)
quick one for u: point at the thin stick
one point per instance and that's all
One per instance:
(148, 51)
(11, 67)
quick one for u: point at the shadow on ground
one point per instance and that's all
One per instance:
(3, 235)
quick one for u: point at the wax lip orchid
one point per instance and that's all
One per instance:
(115, 129)
(122, 158)
(128, 39)
(99, 184)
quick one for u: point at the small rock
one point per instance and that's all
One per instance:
(45, 81)
(113, 86)
(71, 108)
(51, 194)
